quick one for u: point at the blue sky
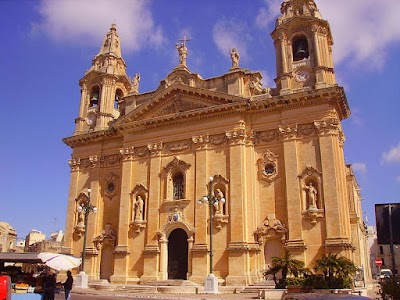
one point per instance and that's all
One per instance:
(46, 46)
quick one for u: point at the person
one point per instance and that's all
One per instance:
(68, 285)
(49, 287)
(139, 208)
(235, 58)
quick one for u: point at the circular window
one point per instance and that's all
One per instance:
(110, 188)
(269, 169)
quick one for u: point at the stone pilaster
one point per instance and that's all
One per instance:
(239, 266)
(121, 253)
(290, 152)
(151, 251)
(332, 187)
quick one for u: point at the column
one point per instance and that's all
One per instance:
(94, 219)
(239, 265)
(332, 188)
(71, 209)
(121, 253)
(293, 193)
(199, 251)
(151, 251)
(82, 110)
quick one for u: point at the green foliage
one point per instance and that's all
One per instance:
(298, 281)
(338, 271)
(287, 264)
(316, 281)
(390, 290)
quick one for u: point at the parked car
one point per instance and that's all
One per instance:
(385, 273)
(322, 296)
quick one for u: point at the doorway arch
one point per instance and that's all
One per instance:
(178, 254)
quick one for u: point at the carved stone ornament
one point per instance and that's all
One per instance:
(268, 166)
(270, 229)
(328, 126)
(219, 220)
(106, 234)
(175, 215)
(288, 132)
(111, 185)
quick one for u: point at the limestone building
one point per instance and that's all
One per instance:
(274, 154)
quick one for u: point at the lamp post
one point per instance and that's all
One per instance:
(86, 208)
(211, 282)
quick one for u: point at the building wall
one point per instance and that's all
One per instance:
(265, 149)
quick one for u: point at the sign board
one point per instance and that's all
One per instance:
(378, 262)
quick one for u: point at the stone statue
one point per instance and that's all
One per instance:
(312, 195)
(135, 83)
(220, 206)
(235, 58)
(81, 215)
(182, 51)
(139, 208)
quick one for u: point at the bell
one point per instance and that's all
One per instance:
(301, 51)
(95, 99)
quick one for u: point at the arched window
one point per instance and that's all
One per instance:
(94, 96)
(300, 48)
(118, 96)
(178, 186)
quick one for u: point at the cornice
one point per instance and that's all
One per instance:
(90, 137)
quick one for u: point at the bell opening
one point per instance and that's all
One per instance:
(300, 49)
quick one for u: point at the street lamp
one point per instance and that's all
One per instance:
(86, 208)
(211, 282)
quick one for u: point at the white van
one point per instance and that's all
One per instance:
(385, 273)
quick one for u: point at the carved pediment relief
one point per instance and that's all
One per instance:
(179, 101)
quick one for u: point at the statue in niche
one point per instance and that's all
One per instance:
(311, 195)
(138, 208)
(81, 215)
(235, 58)
(220, 203)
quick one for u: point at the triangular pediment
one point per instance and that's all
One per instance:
(179, 100)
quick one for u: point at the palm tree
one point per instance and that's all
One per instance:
(328, 264)
(287, 264)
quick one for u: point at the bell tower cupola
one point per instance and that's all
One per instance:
(103, 86)
(303, 45)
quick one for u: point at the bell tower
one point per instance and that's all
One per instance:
(103, 86)
(303, 45)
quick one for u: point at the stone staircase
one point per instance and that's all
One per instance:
(262, 285)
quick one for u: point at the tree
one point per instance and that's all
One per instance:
(337, 270)
(287, 264)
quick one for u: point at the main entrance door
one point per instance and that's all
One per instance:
(178, 254)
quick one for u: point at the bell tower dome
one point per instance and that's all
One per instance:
(103, 86)
(303, 45)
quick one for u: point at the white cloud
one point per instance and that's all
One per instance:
(83, 21)
(269, 13)
(362, 29)
(393, 156)
(360, 167)
(228, 34)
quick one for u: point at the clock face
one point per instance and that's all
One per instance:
(302, 75)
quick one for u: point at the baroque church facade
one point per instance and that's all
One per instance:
(274, 156)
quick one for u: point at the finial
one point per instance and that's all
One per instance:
(113, 26)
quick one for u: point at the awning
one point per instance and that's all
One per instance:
(25, 257)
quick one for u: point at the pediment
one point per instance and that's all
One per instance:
(179, 100)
